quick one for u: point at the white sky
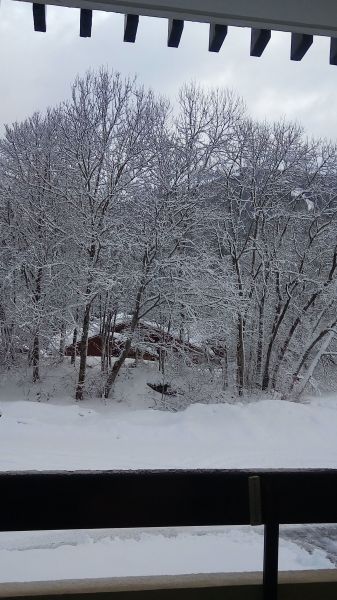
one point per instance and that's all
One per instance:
(36, 69)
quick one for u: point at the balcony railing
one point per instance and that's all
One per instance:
(121, 499)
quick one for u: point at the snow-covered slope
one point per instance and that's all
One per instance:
(266, 433)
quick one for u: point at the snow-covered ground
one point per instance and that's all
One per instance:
(72, 555)
(92, 435)
(127, 433)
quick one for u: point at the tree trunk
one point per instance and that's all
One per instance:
(240, 356)
(103, 344)
(106, 341)
(306, 354)
(240, 351)
(83, 353)
(116, 368)
(62, 342)
(290, 335)
(224, 367)
(279, 317)
(161, 360)
(260, 340)
(310, 371)
(74, 347)
(36, 358)
(7, 337)
(121, 360)
(36, 341)
(111, 339)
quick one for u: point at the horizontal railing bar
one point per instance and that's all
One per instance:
(108, 499)
(218, 585)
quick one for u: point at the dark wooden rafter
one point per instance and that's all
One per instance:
(130, 28)
(85, 23)
(39, 17)
(175, 29)
(260, 37)
(319, 18)
(333, 51)
(300, 44)
(261, 16)
(258, 41)
(217, 34)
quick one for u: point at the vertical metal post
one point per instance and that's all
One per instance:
(270, 560)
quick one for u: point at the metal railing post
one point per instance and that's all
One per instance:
(270, 561)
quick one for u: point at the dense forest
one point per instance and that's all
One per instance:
(191, 216)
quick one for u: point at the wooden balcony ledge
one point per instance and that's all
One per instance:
(293, 585)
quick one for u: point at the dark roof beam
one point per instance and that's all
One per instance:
(333, 51)
(175, 29)
(217, 34)
(258, 41)
(39, 17)
(300, 44)
(85, 23)
(130, 28)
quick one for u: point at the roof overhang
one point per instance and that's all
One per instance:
(315, 17)
(303, 18)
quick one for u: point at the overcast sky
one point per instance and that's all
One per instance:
(36, 69)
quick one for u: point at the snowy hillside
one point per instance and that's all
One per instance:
(127, 432)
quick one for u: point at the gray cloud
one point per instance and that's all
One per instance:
(36, 69)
